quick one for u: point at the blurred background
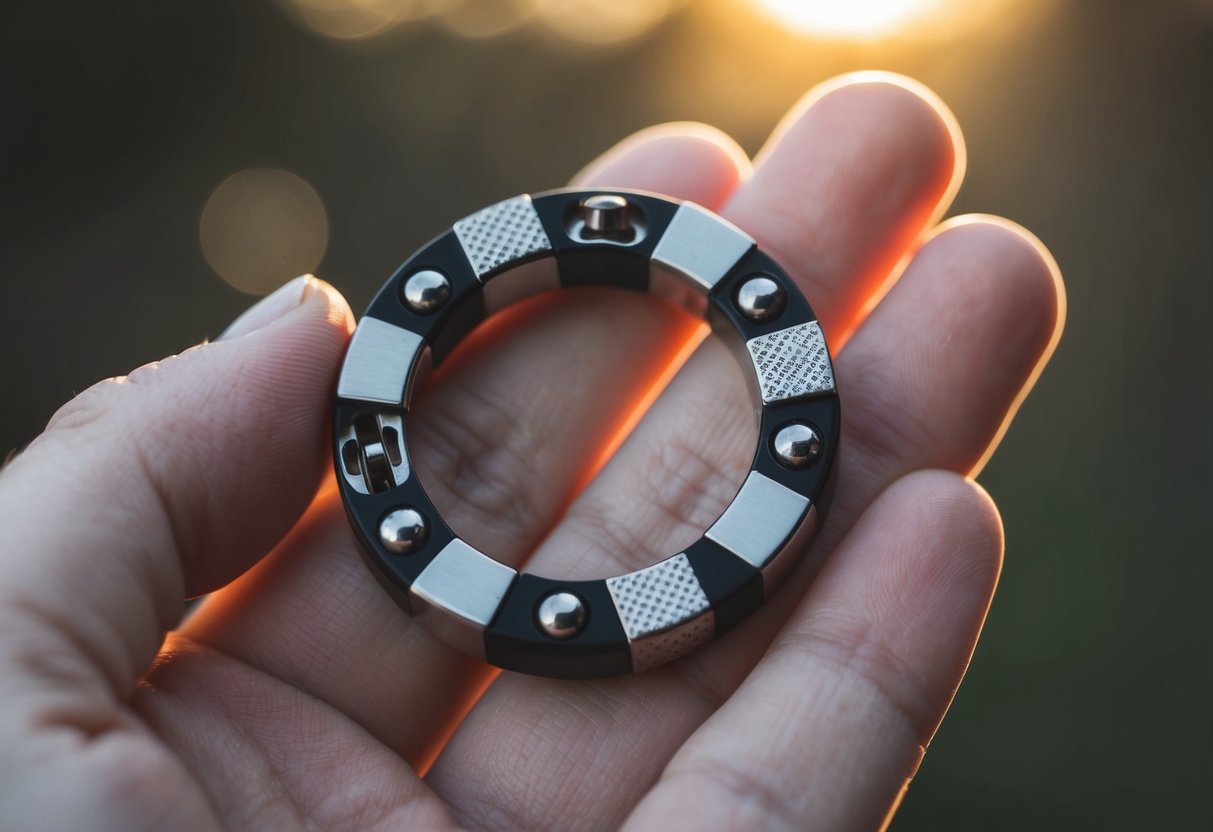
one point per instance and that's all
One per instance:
(162, 162)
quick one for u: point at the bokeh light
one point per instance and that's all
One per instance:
(482, 18)
(589, 22)
(261, 227)
(603, 22)
(352, 19)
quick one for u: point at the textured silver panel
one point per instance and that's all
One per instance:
(459, 592)
(664, 611)
(700, 246)
(792, 362)
(760, 520)
(377, 362)
(501, 233)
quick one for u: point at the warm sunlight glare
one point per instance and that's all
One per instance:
(848, 19)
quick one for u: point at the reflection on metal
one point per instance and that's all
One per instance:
(426, 291)
(561, 614)
(520, 283)
(403, 530)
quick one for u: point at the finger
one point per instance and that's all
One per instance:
(499, 459)
(842, 189)
(684, 160)
(168, 482)
(848, 139)
(827, 730)
(991, 301)
(847, 183)
(268, 756)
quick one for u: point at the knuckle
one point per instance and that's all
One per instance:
(88, 407)
(848, 650)
(877, 430)
(745, 792)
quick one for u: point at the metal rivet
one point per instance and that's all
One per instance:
(797, 446)
(426, 291)
(606, 215)
(561, 614)
(403, 531)
(761, 299)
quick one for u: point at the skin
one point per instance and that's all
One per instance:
(299, 695)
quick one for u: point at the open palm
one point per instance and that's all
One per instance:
(299, 695)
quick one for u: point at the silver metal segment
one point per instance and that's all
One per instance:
(377, 362)
(664, 611)
(760, 520)
(520, 282)
(792, 362)
(458, 593)
(781, 564)
(700, 246)
(501, 233)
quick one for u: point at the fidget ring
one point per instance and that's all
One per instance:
(676, 251)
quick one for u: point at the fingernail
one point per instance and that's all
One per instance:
(270, 308)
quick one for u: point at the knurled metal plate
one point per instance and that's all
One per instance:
(792, 362)
(658, 597)
(501, 233)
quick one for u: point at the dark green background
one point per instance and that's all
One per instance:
(1088, 702)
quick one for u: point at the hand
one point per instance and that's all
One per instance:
(300, 695)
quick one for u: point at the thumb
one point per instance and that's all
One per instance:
(165, 483)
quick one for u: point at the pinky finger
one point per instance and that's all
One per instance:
(829, 727)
